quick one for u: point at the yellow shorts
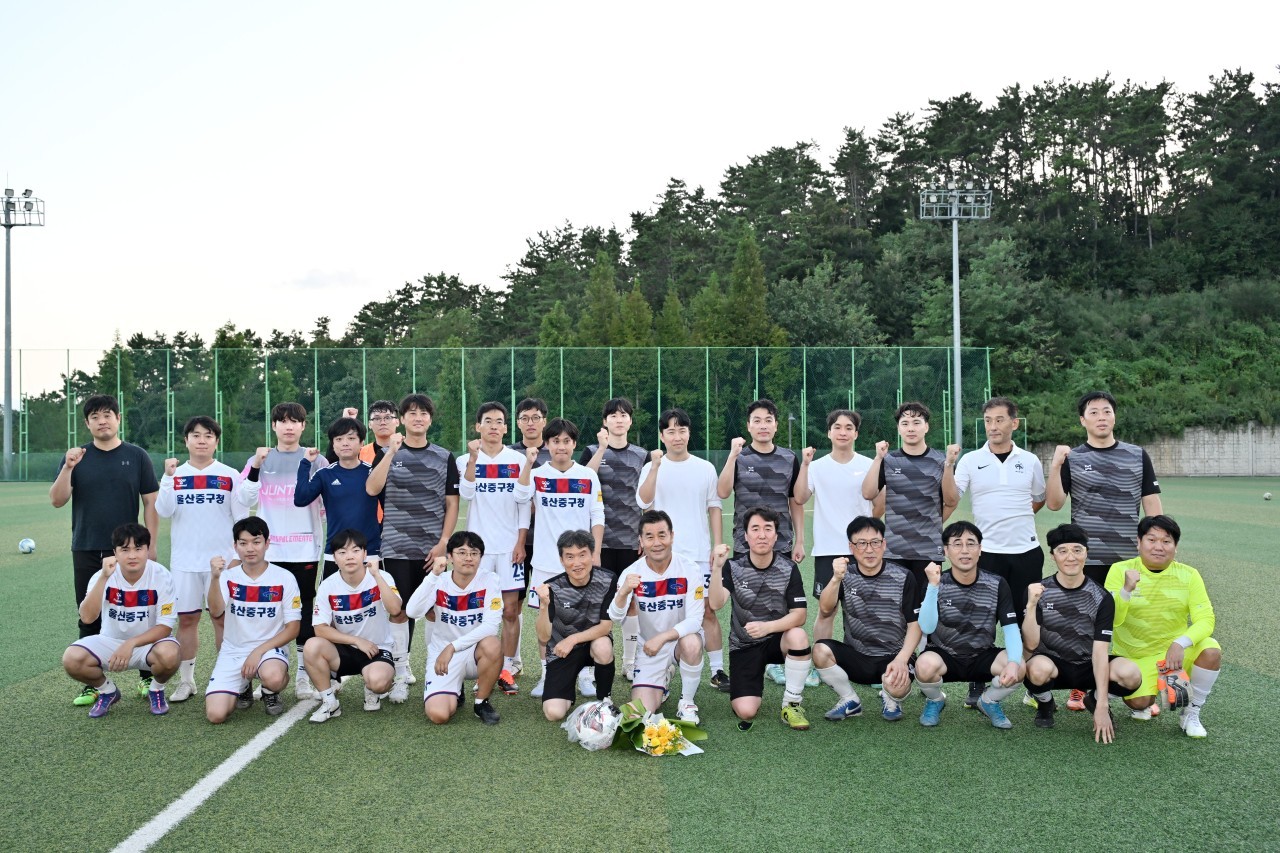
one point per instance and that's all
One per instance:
(1151, 670)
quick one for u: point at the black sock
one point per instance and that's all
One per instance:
(604, 679)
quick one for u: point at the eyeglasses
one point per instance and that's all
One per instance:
(866, 544)
(529, 419)
(964, 546)
(382, 419)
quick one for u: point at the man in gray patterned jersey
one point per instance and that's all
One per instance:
(1110, 483)
(766, 624)
(881, 628)
(920, 491)
(418, 482)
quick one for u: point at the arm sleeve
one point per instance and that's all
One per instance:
(795, 475)
(1066, 476)
(694, 606)
(881, 477)
(713, 496)
(1199, 609)
(615, 612)
(308, 487)
(247, 488)
(910, 604)
(795, 590)
(168, 612)
(466, 488)
(240, 506)
(1013, 641)
(644, 475)
(1114, 584)
(322, 613)
(1007, 616)
(929, 610)
(166, 501)
(1037, 480)
(292, 601)
(597, 505)
(423, 598)
(1150, 485)
(1103, 620)
(451, 481)
(489, 622)
(962, 474)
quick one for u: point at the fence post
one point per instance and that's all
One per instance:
(706, 401)
(611, 373)
(757, 397)
(659, 391)
(217, 400)
(71, 418)
(364, 378)
(168, 402)
(560, 414)
(266, 396)
(513, 394)
(123, 409)
(804, 396)
(315, 395)
(462, 379)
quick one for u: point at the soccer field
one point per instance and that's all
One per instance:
(391, 780)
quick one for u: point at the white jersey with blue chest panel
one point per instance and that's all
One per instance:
(357, 611)
(665, 600)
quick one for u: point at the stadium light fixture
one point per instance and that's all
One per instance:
(12, 216)
(955, 205)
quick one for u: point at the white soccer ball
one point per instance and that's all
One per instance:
(1266, 496)
(593, 725)
(26, 546)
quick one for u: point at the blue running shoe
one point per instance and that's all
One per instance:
(890, 708)
(995, 714)
(844, 709)
(159, 705)
(932, 713)
(103, 703)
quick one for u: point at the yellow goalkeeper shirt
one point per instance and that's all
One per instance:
(1165, 605)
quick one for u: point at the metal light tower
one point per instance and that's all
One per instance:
(14, 211)
(955, 201)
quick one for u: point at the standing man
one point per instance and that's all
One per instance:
(202, 499)
(104, 481)
(684, 487)
(418, 482)
(347, 503)
(1111, 483)
(531, 417)
(383, 421)
(1007, 489)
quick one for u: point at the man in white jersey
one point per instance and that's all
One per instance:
(684, 487)
(134, 596)
(669, 596)
(566, 496)
(268, 483)
(202, 499)
(464, 644)
(500, 516)
(261, 603)
(353, 635)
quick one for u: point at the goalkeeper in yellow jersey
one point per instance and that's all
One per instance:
(1163, 616)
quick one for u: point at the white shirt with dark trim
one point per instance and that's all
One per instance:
(1001, 493)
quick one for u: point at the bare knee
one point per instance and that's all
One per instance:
(823, 656)
(1209, 659)
(1039, 669)
(602, 650)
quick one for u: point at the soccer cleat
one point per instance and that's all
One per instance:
(159, 705)
(1189, 720)
(409, 677)
(587, 682)
(1145, 714)
(244, 699)
(144, 685)
(184, 691)
(399, 692)
(1044, 713)
(812, 679)
(1090, 702)
(302, 687)
(890, 708)
(687, 712)
(103, 703)
(793, 716)
(1075, 701)
(372, 700)
(720, 681)
(272, 704)
(629, 670)
(932, 713)
(328, 710)
(515, 667)
(842, 710)
(536, 692)
(507, 683)
(1174, 689)
(777, 672)
(975, 694)
(1029, 700)
(486, 712)
(995, 714)
(86, 696)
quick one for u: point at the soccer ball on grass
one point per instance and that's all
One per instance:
(26, 546)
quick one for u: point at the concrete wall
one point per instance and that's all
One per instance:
(1249, 451)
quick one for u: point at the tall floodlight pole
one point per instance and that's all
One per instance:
(954, 202)
(16, 211)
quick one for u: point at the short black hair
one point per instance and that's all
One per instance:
(201, 421)
(560, 426)
(655, 516)
(130, 531)
(998, 402)
(835, 415)
(864, 522)
(531, 404)
(1066, 533)
(575, 539)
(101, 403)
(912, 408)
(618, 404)
(762, 403)
(491, 406)
(1089, 397)
(349, 536)
(288, 412)
(342, 426)
(680, 416)
(958, 528)
(383, 406)
(762, 512)
(1160, 522)
(417, 401)
(464, 539)
(253, 525)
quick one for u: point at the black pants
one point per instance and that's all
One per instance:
(83, 566)
(305, 575)
(1019, 571)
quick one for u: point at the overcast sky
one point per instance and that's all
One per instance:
(268, 163)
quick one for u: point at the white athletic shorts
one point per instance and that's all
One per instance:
(103, 648)
(191, 589)
(226, 677)
(462, 667)
(510, 574)
(652, 671)
(536, 579)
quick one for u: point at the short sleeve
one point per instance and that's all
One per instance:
(1150, 485)
(795, 590)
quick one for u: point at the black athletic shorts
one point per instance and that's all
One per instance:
(305, 575)
(352, 661)
(615, 560)
(861, 669)
(84, 565)
(976, 668)
(1074, 676)
(746, 666)
(822, 572)
(916, 567)
(562, 673)
(1018, 570)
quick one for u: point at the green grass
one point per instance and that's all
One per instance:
(392, 780)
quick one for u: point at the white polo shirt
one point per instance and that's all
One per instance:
(837, 500)
(1001, 496)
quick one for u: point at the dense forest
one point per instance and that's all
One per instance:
(1134, 246)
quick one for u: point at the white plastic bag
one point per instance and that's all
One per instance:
(593, 725)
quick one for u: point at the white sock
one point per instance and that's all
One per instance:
(427, 628)
(298, 658)
(157, 684)
(544, 671)
(932, 692)
(836, 678)
(630, 638)
(519, 632)
(327, 696)
(187, 670)
(1201, 683)
(108, 686)
(509, 664)
(797, 670)
(690, 675)
(996, 691)
(400, 640)
(715, 660)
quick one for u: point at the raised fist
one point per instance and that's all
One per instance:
(933, 572)
(806, 455)
(473, 447)
(170, 466)
(260, 456)
(350, 412)
(108, 565)
(397, 439)
(217, 564)
(720, 554)
(544, 592)
(531, 455)
(882, 449)
(655, 457)
(74, 455)
(311, 454)
(602, 437)
(953, 453)
(631, 582)
(735, 446)
(1131, 578)
(439, 565)
(839, 567)
(1034, 591)
(1060, 453)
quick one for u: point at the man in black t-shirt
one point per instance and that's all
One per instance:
(104, 481)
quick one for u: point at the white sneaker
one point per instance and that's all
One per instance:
(1144, 714)
(409, 677)
(184, 691)
(1190, 723)
(515, 667)
(372, 700)
(587, 682)
(536, 692)
(302, 687)
(687, 712)
(629, 670)
(399, 692)
(327, 711)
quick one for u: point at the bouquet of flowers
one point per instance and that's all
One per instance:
(653, 734)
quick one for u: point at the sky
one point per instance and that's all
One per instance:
(271, 163)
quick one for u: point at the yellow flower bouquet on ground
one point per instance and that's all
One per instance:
(654, 734)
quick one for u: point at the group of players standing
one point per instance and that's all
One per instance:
(629, 536)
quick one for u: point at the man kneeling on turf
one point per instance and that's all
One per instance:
(1068, 627)
(960, 611)
(574, 624)
(353, 633)
(881, 606)
(263, 615)
(135, 598)
(766, 624)
(464, 644)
